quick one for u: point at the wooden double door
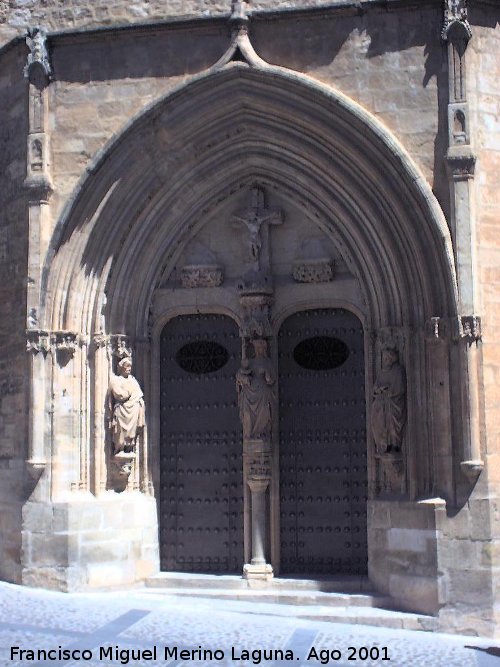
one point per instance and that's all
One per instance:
(322, 445)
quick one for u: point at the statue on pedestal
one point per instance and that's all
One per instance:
(256, 399)
(126, 409)
(388, 414)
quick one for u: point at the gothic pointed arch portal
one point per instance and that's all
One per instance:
(254, 194)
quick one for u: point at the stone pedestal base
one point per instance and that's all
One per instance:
(88, 542)
(260, 571)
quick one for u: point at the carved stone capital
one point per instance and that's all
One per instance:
(461, 162)
(313, 271)
(455, 14)
(39, 188)
(123, 463)
(257, 456)
(120, 346)
(202, 275)
(38, 56)
(39, 341)
(63, 343)
(470, 329)
(256, 307)
(66, 342)
(437, 329)
(101, 340)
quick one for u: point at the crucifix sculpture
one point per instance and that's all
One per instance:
(257, 218)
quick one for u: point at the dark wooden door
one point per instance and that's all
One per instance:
(201, 473)
(323, 476)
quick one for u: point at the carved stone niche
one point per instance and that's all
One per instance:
(202, 275)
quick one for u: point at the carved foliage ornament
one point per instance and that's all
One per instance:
(61, 342)
(471, 329)
(465, 328)
(455, 12)
(313, 271)
(38, 57)
(201, 276)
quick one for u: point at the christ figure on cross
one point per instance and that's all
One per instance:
(254, 218)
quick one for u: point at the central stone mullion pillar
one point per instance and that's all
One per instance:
(257, 471)
(256, 379)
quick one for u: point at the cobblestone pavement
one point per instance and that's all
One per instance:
(97, 629)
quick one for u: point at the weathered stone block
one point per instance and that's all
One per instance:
(415, 593)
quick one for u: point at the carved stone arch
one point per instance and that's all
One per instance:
(132, 176)
(192, 153)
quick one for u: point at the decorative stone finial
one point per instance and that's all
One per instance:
(38, 57)
(239, 12)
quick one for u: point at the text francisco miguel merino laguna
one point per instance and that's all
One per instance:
(167, 653)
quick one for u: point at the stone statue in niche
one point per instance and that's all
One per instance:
(388, 415)
(256, 398)
(126, 409)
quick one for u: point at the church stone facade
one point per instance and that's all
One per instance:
(281, 219)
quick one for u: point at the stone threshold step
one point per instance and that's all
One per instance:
(390, 619)
(277, 604)
(290, 597)
(183, 580)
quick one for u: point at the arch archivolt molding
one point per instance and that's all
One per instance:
(113, 276)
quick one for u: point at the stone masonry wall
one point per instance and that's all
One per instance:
(390, 62)
(13, 262)
(17, 15)
(485, 101)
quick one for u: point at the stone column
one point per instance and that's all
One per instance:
(461, 166)
(257, 461)
(38, 345)
(38, 183)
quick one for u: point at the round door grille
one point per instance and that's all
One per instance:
(321, 353)
(202, 356)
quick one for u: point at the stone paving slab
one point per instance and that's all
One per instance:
(127, 627)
